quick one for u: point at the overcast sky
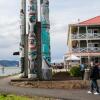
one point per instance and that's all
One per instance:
(62, 12)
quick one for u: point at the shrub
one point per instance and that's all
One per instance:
(75, 71)
(61, 76)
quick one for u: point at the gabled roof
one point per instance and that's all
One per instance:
(92, 21)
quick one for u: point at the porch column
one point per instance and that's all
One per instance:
(70, 44)
(87, 44)
(78, 36)
(70, 32)
(86, 29)
(78, 31)
(87, 37)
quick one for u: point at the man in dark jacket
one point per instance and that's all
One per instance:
(94, 75)
(82, 70)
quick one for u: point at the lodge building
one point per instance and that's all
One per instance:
(84, 40)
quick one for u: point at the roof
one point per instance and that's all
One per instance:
(92, 21)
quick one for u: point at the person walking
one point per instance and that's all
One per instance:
(94, 75)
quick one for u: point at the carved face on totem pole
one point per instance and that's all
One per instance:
(32, 21)
(45, 11)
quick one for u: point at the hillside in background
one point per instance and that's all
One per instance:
(8, 63)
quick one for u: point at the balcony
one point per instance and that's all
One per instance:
(84, 36)
(85, 49)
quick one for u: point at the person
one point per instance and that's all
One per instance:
(3, 69)
(94, 75)
(91, 64)
(82, 69)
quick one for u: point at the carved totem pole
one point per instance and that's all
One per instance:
(32, 48)
(35, 47)
(45, 27)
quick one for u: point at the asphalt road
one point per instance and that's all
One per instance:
(58, 93)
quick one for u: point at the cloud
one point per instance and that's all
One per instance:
(9, 28)
(7, 53)
(62, 12)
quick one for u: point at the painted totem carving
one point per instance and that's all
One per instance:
(46, 58)
(22, 33)
(45, 29)
(33, 42)
(32, 49)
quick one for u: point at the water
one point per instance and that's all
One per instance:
(9, 71)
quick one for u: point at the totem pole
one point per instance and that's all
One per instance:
(32, 48)
(45, 39)
(22, 33)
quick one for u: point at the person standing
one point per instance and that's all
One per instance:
(94, 75)
(82, 69)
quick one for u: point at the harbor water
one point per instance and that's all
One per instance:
(5, 71)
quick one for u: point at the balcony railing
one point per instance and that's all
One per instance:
(86, 36)
(85, 49)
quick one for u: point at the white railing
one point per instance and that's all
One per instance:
(86, 35)
(85, 49)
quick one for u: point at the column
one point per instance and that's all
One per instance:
(79, 49)
(78, 31)
(70, 46)
(78, 36)
(87, 37)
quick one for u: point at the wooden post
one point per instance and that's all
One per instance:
(87, 45)
(78, 32)
(26, 55)
(23, 39)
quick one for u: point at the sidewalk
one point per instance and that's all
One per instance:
(58, 93)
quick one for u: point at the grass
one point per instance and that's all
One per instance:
(14, 97)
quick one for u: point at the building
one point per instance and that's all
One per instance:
(84, 40)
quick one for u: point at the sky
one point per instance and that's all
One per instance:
(62, 13)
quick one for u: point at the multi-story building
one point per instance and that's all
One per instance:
(84, 40)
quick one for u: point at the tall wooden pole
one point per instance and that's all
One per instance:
(45, 27)
(32, 46)
(38, 64)
(45, 38)
(23, 34)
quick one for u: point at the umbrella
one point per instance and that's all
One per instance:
(73, 57)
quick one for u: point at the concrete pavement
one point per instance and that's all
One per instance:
(57, 93)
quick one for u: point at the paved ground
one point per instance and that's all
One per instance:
(59, 93)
